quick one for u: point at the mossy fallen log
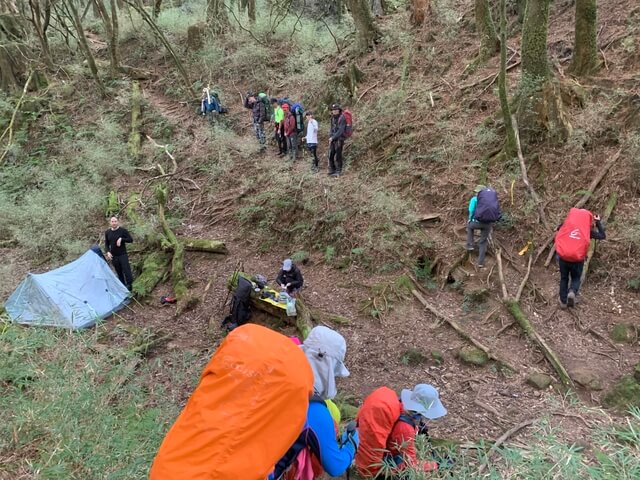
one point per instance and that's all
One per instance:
(185, 299)
(200, 245)
(155, 269)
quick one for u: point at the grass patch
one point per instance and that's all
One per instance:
(76, 408)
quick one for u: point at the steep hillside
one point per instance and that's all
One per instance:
(428, 128)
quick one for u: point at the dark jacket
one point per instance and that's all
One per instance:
(258, 111)
(289, 124)
(293, 276)
(338, 127)
(240, 305)
(111, 238)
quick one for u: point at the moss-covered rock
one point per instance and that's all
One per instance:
(437, 357)
(622, 333)
(473, 356)
(625, 394)
(541, 381)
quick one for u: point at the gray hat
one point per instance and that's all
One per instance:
(423, 399)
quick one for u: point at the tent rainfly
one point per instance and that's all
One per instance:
(74, 296)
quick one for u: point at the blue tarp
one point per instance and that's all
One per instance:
(74, 296)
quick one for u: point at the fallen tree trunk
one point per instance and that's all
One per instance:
(135, 136)
(581, 203)
(185, 299)
(513, 307)
(200, 245)
(155, 269)
(611, 204)
(462, 332)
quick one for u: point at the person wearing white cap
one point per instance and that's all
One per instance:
(388, 425)
(290, 277)
(420, 403)
(325, 350)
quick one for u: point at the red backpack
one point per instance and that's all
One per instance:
(348, 131)
(574, 236)
(376, 418)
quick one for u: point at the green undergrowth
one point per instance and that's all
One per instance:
(75, 408)
(608, 453)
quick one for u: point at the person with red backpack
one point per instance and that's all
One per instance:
(572, 245)
(290, 132)
(484, 210)
(388, 426)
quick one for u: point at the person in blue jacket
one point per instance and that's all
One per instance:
(325, 349)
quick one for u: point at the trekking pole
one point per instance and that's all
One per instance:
(351, 427)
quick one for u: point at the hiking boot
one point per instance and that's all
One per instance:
(334, 175)
(563, 306)
(481, 265)
(469, 249)
(331, 174)
(571, 299)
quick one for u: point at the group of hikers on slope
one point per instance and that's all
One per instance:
(263, 410)
(572, 239)
(289, 126)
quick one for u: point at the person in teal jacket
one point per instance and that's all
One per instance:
(473, 225)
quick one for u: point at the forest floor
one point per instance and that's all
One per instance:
(444, 120)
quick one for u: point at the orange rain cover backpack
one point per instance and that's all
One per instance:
(376, 419)
(573, 238)
(248, 409)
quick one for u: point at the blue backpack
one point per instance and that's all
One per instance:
(488, 206)
(298, 113)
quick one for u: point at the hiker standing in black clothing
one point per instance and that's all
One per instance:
(290, 277)
(336, 140)
(258, 115)
(115, 239)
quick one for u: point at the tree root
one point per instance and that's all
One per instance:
(513, 306)
(462, 332)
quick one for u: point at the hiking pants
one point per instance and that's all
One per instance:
(570, 273)
(335, 156)
(282, 140)
(258, 127)
(485, 231)
(123, 269)
(313, 149)
(293, 146)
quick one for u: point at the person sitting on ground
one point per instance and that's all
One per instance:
(115, 240)
(572, 241)
(336, 140)
(290, 132)
(312, 139)
(258, 116)
(484, 209)
(388, 426)
(317, 447)
(278, 119)
(290, 277)
(210, 103)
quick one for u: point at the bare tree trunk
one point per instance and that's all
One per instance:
(366, 29)
(217, 19)
(40, 17)
(419, 11)
(12, 65)
(489, 43)
(251, 10)
(157, 6)
(111, 28)
(84, 46)
(535, 60)
(585, 54)
(510, 141)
